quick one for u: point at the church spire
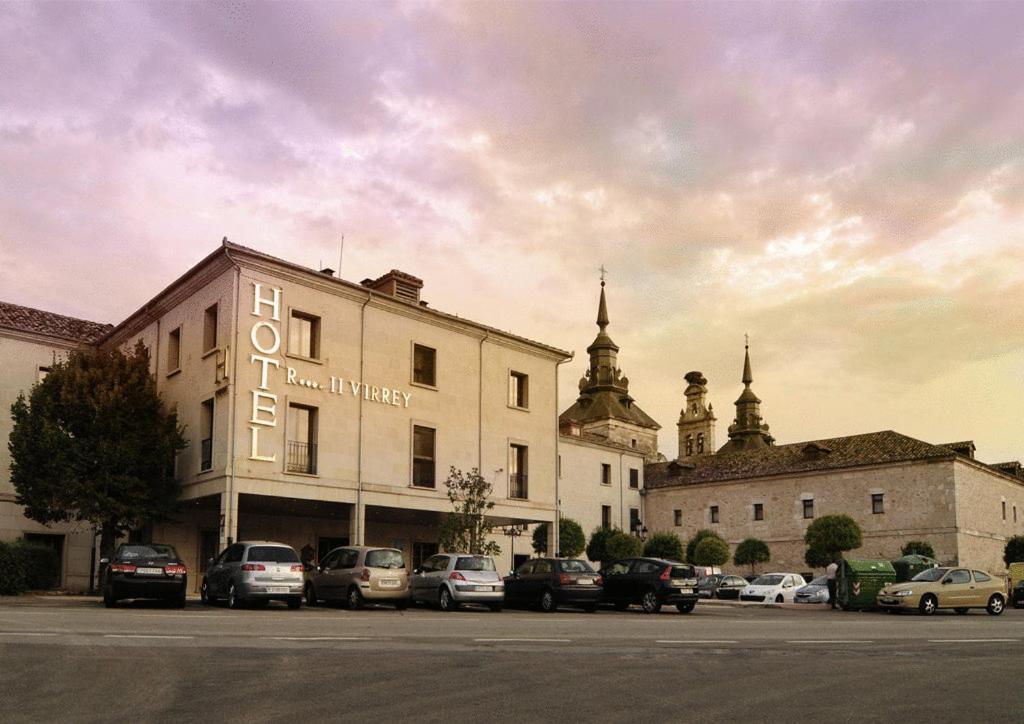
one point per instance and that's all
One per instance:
(602, 310)
(747, 376)
(748, 431)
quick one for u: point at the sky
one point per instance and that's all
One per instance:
(844, 182)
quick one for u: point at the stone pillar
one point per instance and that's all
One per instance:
(228, 519)
(357, 524)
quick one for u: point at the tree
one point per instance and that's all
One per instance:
(750, 552)
(466, 528)
(611, 544)
(711, 551)
(697, 538)
(571, 539)
(918, 548)
(664, 545)
(817, 558)
(832, 535)
(1014, 550)
(597, 546)
(92, 442)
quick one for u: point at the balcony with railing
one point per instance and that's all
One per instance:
(206, 454)
(301, 458)
(517, 486)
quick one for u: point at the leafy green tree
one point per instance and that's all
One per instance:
(817, 558)
(700, 535)
(918, 548)
(711, 551)
(664, 545)
(597, 546)
(750, 552)
(622, 545)
(1014, 550)
(571, 540)
(92, 442)
(466, 528)
(832, 535)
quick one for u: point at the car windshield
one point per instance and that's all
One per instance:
(575, 567)
(819, 581)
(708, 581)
(767, 581)
(930, 575)
(385, 558)
(153, 550)
(475, 563)
(272, 554)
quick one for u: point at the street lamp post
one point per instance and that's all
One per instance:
(514, 531)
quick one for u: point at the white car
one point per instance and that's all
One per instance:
(773, 588)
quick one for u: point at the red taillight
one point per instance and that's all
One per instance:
(175, 570)
(122, 568)
(456, 576)
(564, 578)
(666, 574)
(599, 581)
(297, 568)
(365, 575)
(253, 567)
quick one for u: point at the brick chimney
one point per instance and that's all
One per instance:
(397, 284)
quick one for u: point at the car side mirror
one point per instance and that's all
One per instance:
(417, 571)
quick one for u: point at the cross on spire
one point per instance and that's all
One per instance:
(603, 272)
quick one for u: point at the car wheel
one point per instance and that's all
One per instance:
(311, 599)
(294, 602)
(355, 599)
(547, 602)
(445, 601)
(961, 610)
(233, 600)
(779, 599)
(685, 607)
(649, 601)
(929, 604)
(401, 604)
(995, 605)
(108, 597)
(495, 607)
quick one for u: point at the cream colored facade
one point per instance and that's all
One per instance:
(359, 386)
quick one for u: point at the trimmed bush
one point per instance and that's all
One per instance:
(833, 535)
(700, 535)
(41, 565)
(817, 558)
(664, 545)
(12, 570)
(711, 551)
(750, 552)
(571, 539)
(622, 545)
(918, 548)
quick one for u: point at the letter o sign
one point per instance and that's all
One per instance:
(254, 336)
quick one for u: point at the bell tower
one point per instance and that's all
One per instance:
(696, 419)
(748, 431)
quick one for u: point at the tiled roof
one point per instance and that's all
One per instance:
(874, 448)
(37, 321)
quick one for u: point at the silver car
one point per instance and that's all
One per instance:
(814, 592)
(258, 572)
(449, 580)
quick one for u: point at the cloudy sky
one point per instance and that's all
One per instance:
(842, 181)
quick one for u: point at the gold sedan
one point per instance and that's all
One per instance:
(960, 589)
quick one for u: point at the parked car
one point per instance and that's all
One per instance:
(357, 574)
(449, 580)
(720, 585)
(552, 582)
(960, 589)
(814, 592)
(773, 588)
(652, 583)
(1018, 595)
(151, 570)
(256, 572)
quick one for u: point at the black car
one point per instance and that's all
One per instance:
(651, 582)
(720, 585)
(552, 582)
(150, 570)
(1017, 595)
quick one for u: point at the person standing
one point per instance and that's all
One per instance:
(830, 574)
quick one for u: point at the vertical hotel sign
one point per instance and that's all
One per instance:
(266, 340)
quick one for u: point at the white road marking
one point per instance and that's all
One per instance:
(973, 641)
(26, 633)
(830, 641)
(144, 636)
(320, 638)
(695, 641)
(527, 641)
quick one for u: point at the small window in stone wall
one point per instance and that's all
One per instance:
(677, 516)
(808, 504)
(758, 511)
(878, 503)
(714, 513)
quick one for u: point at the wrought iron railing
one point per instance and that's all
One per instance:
(517, 486)
(301, 457)
(206, 454)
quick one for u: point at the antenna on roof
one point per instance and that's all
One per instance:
(341, 253)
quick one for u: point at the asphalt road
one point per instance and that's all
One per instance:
(73, 660)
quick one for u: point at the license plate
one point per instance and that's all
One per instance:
(277, 589)
(686, 590)
(585, 581)
(388, 583)
(149, 571)
(483, 588)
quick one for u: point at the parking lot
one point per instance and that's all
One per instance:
(71, 659)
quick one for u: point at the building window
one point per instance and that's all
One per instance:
(517, 479)
(878, 504)
(423, 441)
(634, 478)
(304, 335)
(302, 436)
(632, 443)
(1015, 514)
(206, 435)
(210, 328)
(634, 520)
(559, 466)
(758, 511)
(677, 517)
(41, 373)
(1004, 507)
(606, 516)
(606, 474)
(689, 445)
(424, 365)
(700, 443)
(174, 350)
(714, 513)
(808, 507)
(518, 390)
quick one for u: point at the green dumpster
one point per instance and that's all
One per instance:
(858, 582)
(909, 566)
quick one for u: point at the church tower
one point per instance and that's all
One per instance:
(696, 419)
(604, 408)
(747, 432)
